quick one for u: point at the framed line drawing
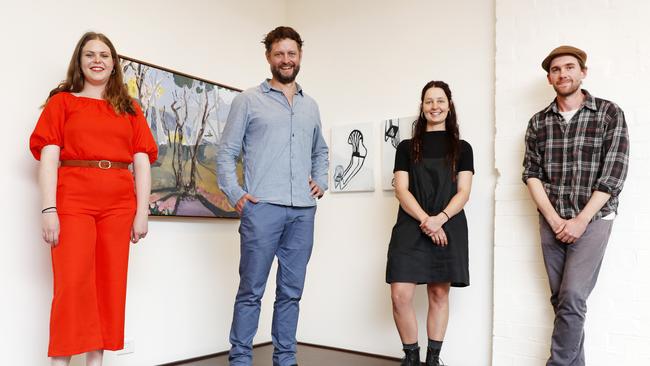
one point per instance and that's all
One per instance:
(394, 131)
(352, 156)
(186, 115)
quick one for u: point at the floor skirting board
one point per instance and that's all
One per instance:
(308, 355)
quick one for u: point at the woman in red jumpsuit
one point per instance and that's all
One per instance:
(87, 135)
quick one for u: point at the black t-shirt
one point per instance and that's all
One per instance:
(434, 145)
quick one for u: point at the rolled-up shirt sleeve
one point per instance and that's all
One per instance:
(532, 157)
(319, 157)
(229, 149)
(616, 153)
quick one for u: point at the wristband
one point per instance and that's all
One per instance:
(444, 213)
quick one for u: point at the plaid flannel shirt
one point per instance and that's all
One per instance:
(574, 158)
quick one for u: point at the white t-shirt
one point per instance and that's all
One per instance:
(568, 115)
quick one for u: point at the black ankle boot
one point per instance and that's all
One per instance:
(432, 359)
(411, 357)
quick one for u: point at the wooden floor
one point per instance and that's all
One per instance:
(307, 356)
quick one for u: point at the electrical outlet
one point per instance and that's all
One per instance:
(129, 347)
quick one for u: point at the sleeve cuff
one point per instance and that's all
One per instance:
(606, 189)
(235, 195)
(322, 183)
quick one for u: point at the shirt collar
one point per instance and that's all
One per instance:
(266, 87)
(589, 103)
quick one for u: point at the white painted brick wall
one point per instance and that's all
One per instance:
(614, 34)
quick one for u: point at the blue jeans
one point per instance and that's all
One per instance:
(572, 273)
(268, 231)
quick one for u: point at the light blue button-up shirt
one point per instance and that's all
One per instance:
(282, 146)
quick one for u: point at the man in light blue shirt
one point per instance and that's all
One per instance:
(277, 129)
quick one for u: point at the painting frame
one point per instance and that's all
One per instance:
(186, 115)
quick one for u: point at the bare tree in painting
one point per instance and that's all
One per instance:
(188, 133)
(180, 110)
(205, 110)
(146, 86)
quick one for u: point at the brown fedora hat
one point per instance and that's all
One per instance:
(565, 50)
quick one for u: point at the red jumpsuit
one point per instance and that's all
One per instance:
(96, 208)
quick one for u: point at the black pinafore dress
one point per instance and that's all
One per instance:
(412, 256)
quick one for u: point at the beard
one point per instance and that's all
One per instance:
(277, 74)
(575, 87)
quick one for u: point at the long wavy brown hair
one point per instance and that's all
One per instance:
(451, 125)
(115, 93)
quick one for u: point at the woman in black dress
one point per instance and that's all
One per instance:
(433, 178)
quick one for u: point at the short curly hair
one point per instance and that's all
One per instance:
(279, 34)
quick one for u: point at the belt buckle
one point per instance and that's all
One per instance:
(104, 164)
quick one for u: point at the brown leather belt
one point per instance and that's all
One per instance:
(101, 164)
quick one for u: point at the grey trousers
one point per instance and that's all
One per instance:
(572, 273)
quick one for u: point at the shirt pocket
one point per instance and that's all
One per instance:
(588, 149)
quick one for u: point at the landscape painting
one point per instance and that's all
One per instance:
(186, 115)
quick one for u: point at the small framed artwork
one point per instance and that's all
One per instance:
(352, 156)
(394, 131)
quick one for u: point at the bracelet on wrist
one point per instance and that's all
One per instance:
(49, 209)
(444, 213)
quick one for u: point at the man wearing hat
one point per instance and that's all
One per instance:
(575, 164)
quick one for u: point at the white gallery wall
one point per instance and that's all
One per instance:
(613, 33)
